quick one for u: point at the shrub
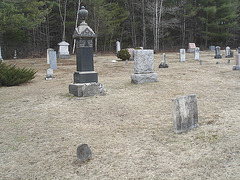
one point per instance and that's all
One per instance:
(123, 54)
(11, 75)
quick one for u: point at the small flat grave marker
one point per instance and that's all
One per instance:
(185, 113)
(83, 153)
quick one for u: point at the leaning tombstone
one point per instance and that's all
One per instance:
(131, 52)
(143, 67)
(118, 46)
(185, 113)
(53, 60)
(48, 59)
(237, 66)
(1, 59)
(191, 47)
(218, 53)
(63, 52)
(85, 78)
(163, 63)
(228, 52)
(83, 153)
(196, 54)
(212, 48)
(182, 55)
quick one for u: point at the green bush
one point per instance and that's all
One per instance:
(123, 54)
(138, 48)
(11, 75)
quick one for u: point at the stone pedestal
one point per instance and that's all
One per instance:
(143, 67)
(144, 78)
(85, 77)
(49, 74)
(86, 89)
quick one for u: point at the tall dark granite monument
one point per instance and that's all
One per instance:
(85, 78)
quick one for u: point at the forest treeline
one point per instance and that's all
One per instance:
(32, 26)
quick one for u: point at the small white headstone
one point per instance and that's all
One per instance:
(118, 46)
(182, 55)
(196, 54)
(228, 52)
(15, 55)
(48, 59)
(1, 59)
(49, 74)
(164, 58)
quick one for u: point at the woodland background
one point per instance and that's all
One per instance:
(32, 26)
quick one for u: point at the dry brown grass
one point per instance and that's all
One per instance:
(129, 131)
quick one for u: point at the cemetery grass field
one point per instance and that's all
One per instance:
(130, 130)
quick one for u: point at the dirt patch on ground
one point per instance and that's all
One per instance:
(130, 130)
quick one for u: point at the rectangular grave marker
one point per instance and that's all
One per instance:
(53, 60)
(182, 55)
(185, 113)
(196, 54)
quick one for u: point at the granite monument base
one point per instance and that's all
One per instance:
(236, 67)
(63, 56)
(85, 77)
(218, 57)
(86, 89)
(144, 78)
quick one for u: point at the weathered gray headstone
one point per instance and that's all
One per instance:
(182, 55)
(218, 53)
(185, 113)
(118, 46)
(131, 52)
(212, 48)
(53, 60)
(1, 59)
(85, 78)
(237, 66)
(228, 52)
(48, 59)
(63, 52)
(163, 63)
(143, 67)
(231, 54)
(83, 153)
(196, 54)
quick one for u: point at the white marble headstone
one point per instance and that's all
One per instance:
(182, 55)
(48, 59)
(118, 47)
(196, 54)
(164, 58)
(63, 50)
(228, 53)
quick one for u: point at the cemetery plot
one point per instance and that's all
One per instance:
(130, 130)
